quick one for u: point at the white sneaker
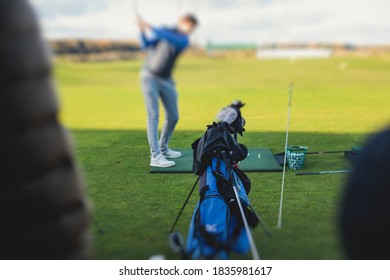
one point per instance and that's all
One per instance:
(161, 161)
(172, 154)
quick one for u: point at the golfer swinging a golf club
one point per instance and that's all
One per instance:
(164, 46)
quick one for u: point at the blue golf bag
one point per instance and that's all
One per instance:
(216, 227)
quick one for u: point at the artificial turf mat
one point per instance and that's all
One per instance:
(259, 160)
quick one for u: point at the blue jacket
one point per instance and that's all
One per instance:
(163, 49)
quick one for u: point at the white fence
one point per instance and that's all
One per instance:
(294, 53)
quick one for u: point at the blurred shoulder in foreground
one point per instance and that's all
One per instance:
(365, 209)
(43, 208)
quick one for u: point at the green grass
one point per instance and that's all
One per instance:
(332, 109)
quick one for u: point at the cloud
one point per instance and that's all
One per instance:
(258, 21)
(54, 8)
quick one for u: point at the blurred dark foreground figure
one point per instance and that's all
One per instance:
(43, 210)
(365, 213)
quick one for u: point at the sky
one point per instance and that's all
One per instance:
(240, 21)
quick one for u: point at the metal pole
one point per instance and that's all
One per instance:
(285, 155)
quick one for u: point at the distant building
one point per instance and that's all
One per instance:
(293, 53)
(231, 46)
(223, 48)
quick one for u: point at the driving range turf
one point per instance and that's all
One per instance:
(337, 104)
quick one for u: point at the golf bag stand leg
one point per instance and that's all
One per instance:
(176, 241)
(184, 205)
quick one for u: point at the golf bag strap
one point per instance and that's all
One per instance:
(217, 171)
(228, 166)
(218, 165)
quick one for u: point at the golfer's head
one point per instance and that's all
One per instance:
(187, 24)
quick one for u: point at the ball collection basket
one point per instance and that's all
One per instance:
(296, 157)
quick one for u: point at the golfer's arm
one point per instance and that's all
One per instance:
(146, 42)
(180, 42)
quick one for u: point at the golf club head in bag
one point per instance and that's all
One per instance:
(230, 118)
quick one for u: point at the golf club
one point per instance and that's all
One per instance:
(98, 227)
(252, 244)
(185, 204)
(324, 152)
(285, 154)
(280, 157)
(135, 8)
(263, 225)
(322, 172)
(179, 6)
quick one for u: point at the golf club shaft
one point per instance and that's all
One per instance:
(135, 7)
(100, 230)
(263, 225)
(252, 244)
(185, 204)
(322, 172)
(325, 152)
(285, 155)
(179, 6)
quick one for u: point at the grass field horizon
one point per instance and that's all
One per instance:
(337, 104)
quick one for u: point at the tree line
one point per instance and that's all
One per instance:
(85, 47)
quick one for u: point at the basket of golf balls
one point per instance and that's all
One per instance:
(296, 157)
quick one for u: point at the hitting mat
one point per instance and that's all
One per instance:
(259, 160)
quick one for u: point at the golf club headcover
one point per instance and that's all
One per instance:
(232, 116)
(227, 115)
(44, 213)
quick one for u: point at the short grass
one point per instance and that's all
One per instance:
(337, 103)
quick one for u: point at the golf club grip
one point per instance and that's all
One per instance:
(43, 206)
